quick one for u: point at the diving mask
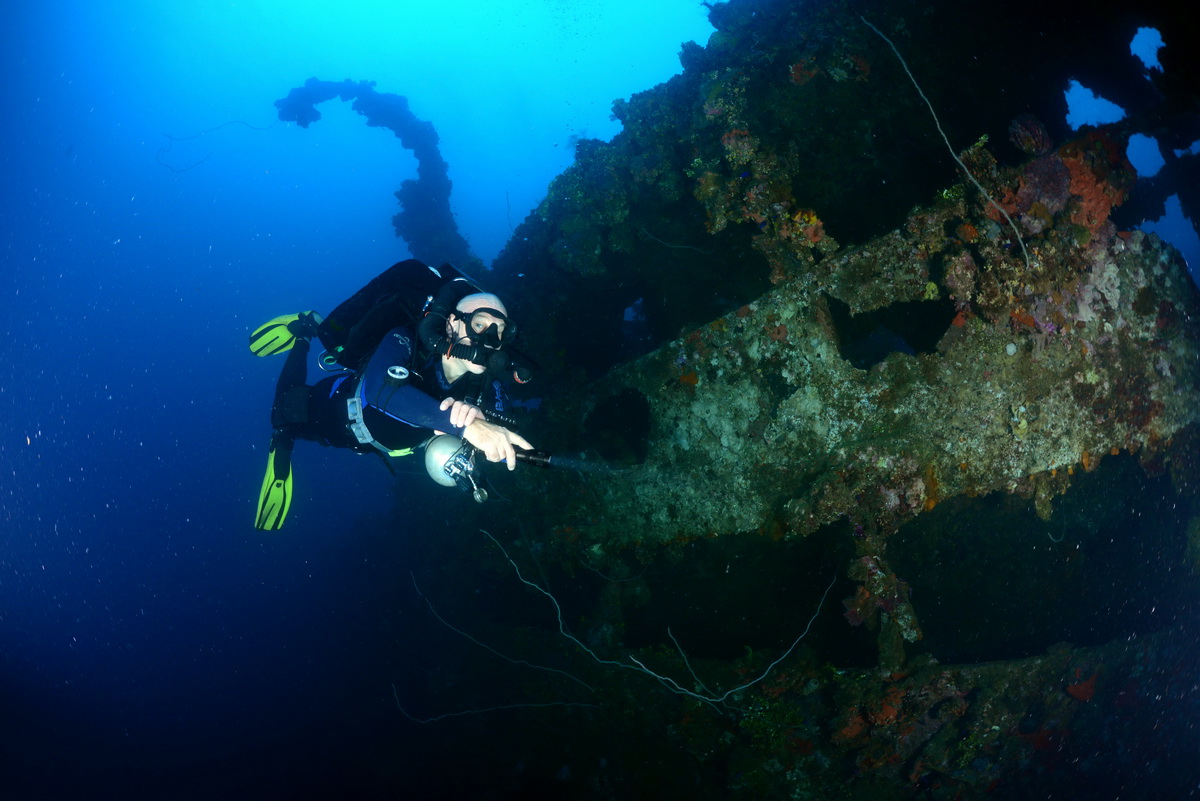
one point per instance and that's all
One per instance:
(488, 328)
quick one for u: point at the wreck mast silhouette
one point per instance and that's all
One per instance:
(425, 221)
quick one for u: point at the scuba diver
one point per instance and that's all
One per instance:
(418, 356)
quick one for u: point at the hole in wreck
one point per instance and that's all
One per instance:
(618, 429)
(910, 327)
(990, 580)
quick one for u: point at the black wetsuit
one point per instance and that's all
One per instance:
(395, 415)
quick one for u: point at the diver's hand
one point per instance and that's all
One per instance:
(462, 414)
(495, 441)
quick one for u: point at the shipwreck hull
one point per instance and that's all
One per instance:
(950, 448)
(1000, 376)
(988, 457)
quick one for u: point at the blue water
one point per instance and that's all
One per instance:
(154, 213)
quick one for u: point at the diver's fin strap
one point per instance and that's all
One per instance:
(359, 429)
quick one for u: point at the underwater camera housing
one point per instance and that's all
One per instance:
(451, 463)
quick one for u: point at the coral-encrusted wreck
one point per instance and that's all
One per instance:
(949, 357)
(761, 420)
(928, 410)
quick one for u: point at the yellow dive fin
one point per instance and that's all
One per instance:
(279, 334)
(275, 498)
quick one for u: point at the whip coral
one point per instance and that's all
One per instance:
(938, 124)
